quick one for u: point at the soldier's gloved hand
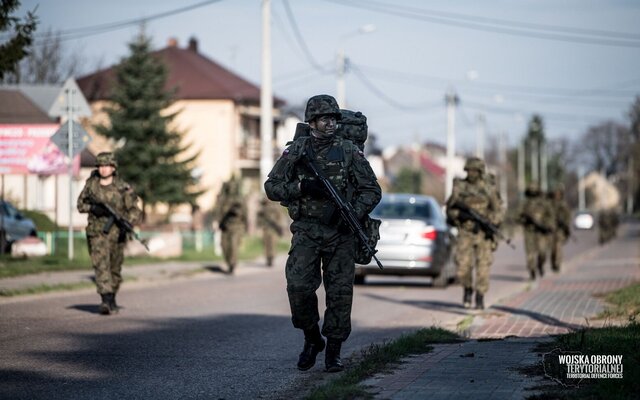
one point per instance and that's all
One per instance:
(98, 210)
(313, 188)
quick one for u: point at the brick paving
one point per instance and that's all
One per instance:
(558, 303)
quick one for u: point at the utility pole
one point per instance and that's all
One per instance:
(480, 129)
(502, 156)
(266, 97)
(451, 99)
(70, 93)
(581, 196)
(535, 169)
(543, 167)
(521, 164)
(341, 89)
(630, 186)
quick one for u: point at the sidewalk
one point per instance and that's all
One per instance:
(487, 368)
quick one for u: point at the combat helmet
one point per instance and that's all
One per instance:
(533, 189)
(322, 104)
(106, 158)
(474, 163)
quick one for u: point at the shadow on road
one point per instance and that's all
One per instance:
(238, 356)
(215, 269)
(435, 305)
(508, 278)
(89, 308)
(542, 318)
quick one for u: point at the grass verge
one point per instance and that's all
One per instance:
(623, 303)
(45, 289)
(377, 358)
(611, 340)
(9, 267)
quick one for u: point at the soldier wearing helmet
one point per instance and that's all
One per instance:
(562, 226)
(322, 248)
(474, 248)
(231, 213)
(106, 242)
(538, 221)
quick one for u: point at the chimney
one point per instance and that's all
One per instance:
(172, 42)
(193, 44)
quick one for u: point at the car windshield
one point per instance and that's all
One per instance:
(402, 210)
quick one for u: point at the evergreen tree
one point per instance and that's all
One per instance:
(408, 181)
(149, 156)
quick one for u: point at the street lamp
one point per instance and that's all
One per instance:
(341, 70)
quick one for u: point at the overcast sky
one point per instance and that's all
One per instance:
(573, 61)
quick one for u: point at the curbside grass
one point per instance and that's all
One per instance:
(378, 358)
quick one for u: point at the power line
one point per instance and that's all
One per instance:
(382, 96)
(425, 16)
(300, 39)
(77, 33)
(410, 78)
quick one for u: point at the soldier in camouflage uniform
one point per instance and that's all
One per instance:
(322, 247)
(231, 214)
(538, 221)
(562, 229)
(269, 221)
(608, 221)
(474, 248)
(107, 249)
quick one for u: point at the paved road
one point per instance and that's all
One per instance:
(208, 336)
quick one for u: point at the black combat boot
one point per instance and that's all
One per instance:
(479, 301)
(269, 261)
(313, 344)
(105, 308)
(231, 268)
(112, 303)
(466, 298)
(532, 275)
(332, 362)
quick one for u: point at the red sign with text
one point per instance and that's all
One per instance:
(26, 149)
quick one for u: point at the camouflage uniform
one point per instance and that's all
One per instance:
(269, 221)
(562, 229)
(607, 225)
(473, 247)
(322, 248)
(538, 222)
(231, 213)
(107, 249)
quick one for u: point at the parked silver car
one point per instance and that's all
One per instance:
(13, 225)
(414, 239)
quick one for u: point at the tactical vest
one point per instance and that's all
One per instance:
(476, 196)
(334, 164)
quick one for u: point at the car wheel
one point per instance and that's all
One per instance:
(359, 280)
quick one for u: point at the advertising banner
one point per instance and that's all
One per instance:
(27, 149)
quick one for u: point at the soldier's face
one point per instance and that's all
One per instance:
(473, 175)
(325, 124)
(106, 171)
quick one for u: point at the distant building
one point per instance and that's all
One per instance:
(219, 114)
(34, 170)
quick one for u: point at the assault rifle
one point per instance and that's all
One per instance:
(275, 226)
(115, 218)
(490, 229)
(347, 212)
(542, 228)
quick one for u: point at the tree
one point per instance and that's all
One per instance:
(408, 181)
(17, 43)
(152, 158)
(48, 62)
(605, 146)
